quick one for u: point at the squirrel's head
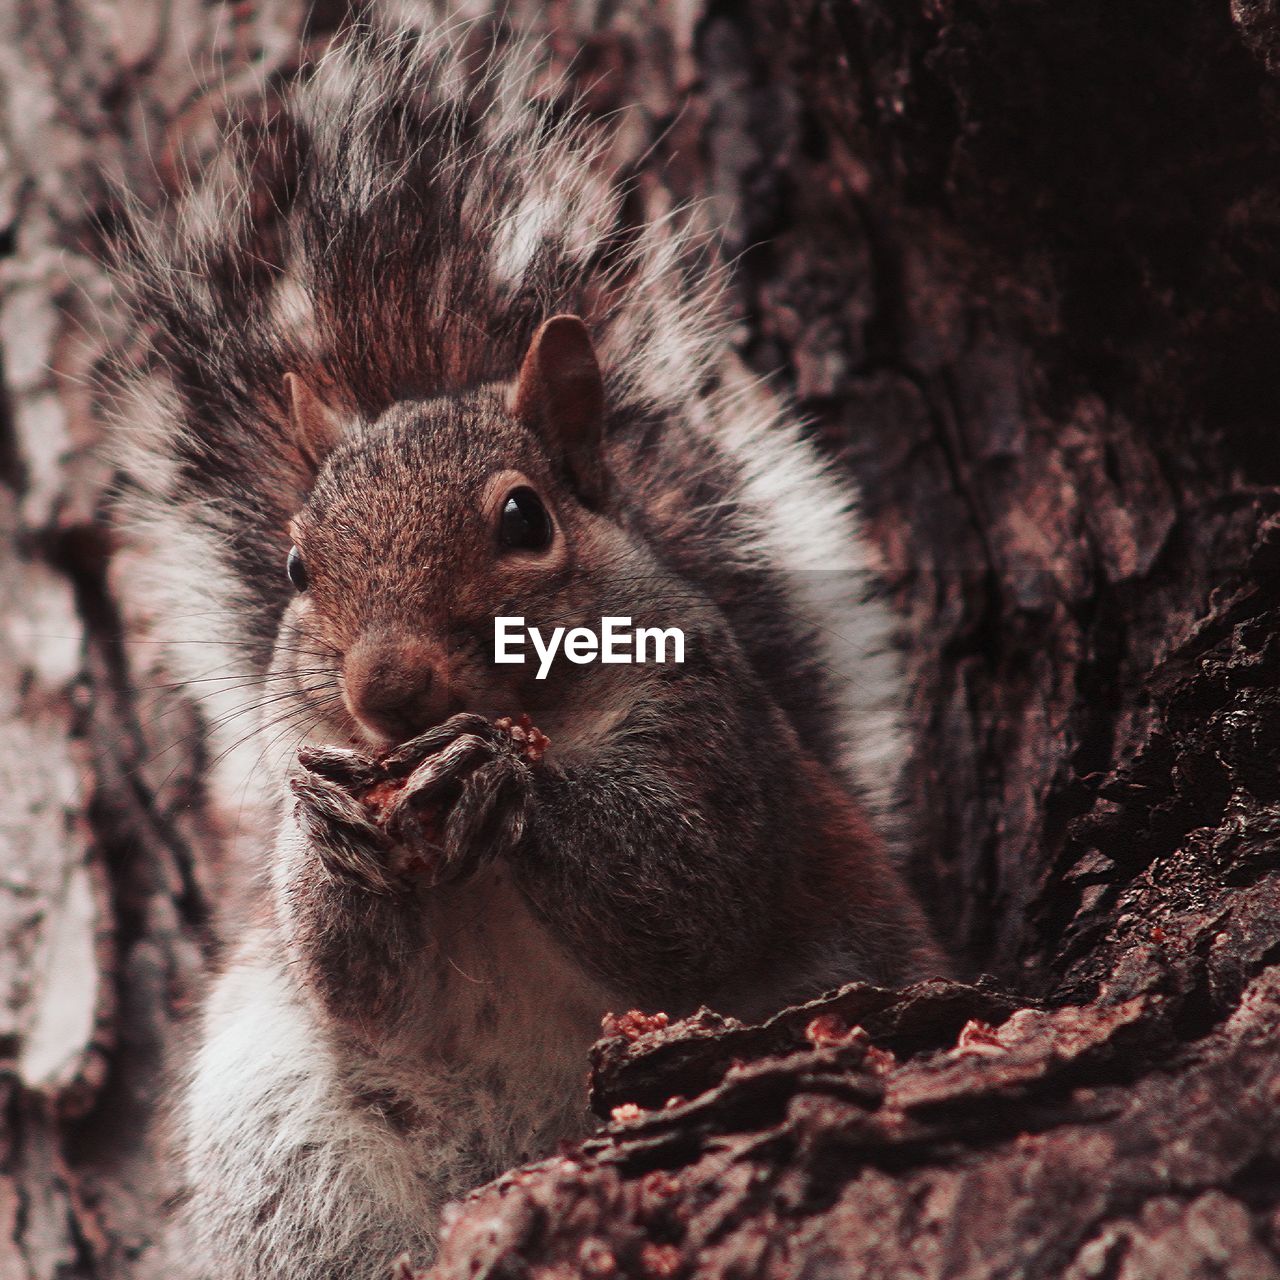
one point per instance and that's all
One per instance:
(423, 526)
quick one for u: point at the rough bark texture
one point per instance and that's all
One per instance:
(1018, 260)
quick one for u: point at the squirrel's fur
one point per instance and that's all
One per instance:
(396, 233)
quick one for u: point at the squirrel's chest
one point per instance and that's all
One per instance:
(505, 995)
(492, 1069)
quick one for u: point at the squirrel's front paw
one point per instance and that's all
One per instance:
(339, 828)
(459, 793)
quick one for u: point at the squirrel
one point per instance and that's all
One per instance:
(407, 367)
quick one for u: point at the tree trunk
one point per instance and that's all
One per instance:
(107, 868)
(1018, 261)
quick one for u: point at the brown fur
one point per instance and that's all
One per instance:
(372, 380)
(406, 574)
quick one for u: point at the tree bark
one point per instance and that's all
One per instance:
(1018, 263)
(107, 866)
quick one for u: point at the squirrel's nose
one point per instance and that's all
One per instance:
(394, 686)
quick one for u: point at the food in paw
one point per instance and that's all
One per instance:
(531, 742)
(415, 821)
(381, 798)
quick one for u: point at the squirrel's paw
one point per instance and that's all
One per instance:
(338, 827)
(465, 800)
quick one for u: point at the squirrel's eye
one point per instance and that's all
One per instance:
(525, 525)
(296, 570)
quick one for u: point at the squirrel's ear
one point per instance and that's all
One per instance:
(315, 426)
(560, 395)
